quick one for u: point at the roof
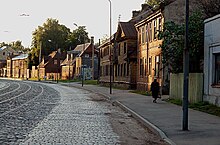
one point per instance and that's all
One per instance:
(22, 56)
(128, 29)
(81, 48)
(2, 48)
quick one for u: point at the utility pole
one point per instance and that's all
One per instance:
(93, 66)
(110, 50)
(69, 60)
(39, 61)
(186, 70)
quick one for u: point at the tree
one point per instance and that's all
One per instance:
(51, 36)
(173, 44)
(78, 36)
(16, 45)
(153, 2)
(211, 7)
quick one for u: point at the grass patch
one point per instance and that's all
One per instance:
(91, 82)
(141, 92)
(67, 81)
(200, 106)
(33, 79)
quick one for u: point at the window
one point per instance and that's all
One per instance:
(55, 61)
(125, 47)
(142, 35)
(119, 49)
(86, 55)
(3, 53)
(128, 69)
(150, 32)
(145, 68)
(118, 69)
(139, 36)
(217, 69)
(124, 74)
(121, 69)
(106, 70)
(160, 23)
(141, 67)
(155, 29)
(150, 66)
(157, 66)
(147, 39)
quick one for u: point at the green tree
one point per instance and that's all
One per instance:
(51, 36)
(17, 45)
(154, 2)
(78, 36)
(173, 44)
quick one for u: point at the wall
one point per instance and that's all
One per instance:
(195, 86)
(211, 47)
(175, 11)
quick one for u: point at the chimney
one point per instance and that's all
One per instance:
(135, 13)
(145, 7)
(67, 56)
(59, 51)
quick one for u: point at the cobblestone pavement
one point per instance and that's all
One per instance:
(22, 106)
(76, 120)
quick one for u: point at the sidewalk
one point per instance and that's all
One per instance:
(163, 117)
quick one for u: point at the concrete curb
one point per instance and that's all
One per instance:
(146, 123)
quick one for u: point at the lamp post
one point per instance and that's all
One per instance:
(186, 71)
(69, 63)
(82, 66)
(39, 61)
(57, 60)
(110, 51)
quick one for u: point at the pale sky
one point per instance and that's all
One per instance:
(94, 14)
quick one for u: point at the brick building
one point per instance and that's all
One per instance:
(17, 66)
(125, 55)
(4, 53)
(149, 64)
(50, 65)
(86, 62)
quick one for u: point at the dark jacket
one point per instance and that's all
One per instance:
(155, 89)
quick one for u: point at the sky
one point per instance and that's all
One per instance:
(94, 14)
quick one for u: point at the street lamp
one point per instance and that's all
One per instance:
(110, 33)
(82, 66)
(39, 61)
(186, 71)
(69, 60)
(56, 61)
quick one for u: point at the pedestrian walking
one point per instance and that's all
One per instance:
(155, 90)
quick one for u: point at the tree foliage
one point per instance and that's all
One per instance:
(52, 36)
(16, 45)
(153, 2)
(173, 44)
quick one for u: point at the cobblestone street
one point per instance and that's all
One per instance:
(76, 120)
(43, 114)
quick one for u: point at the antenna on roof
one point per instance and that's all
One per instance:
(119, 18)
